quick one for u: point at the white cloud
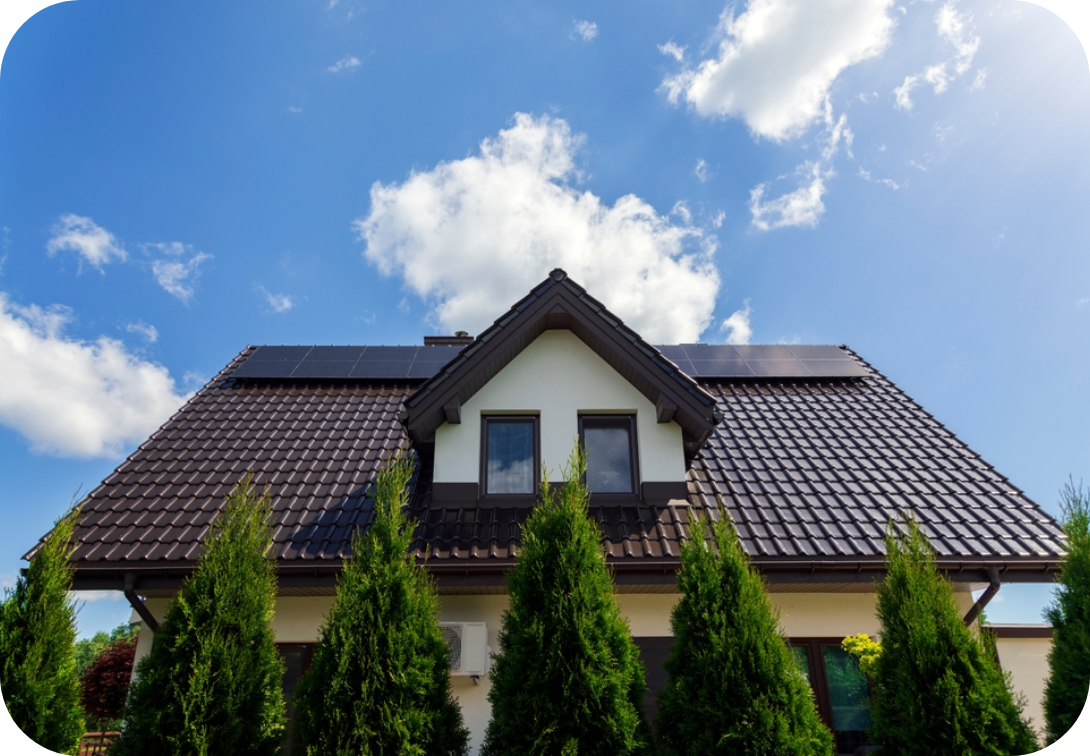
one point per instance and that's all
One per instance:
(91, 596)
(149, 332)
(280, 303)
(474, 235)
(584, 30)
(701, 170)
(176, 275)
(74, 398)
(776, 62)
(346, 63)
(1082, 303)
(737, 326)
(91, 242)
(955, 28)
(674, 50)
(980, 79)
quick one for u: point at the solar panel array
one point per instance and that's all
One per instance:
(346, 362)
(421, 362)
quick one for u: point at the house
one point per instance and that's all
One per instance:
(810, 449)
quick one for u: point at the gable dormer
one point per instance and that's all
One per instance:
(557, 368)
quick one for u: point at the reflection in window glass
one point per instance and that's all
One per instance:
(294, 662)
(510, 456)
(803, 660)
(849, 694)
(609, 456)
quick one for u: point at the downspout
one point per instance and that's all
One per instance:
(137, 604)
(989, 592)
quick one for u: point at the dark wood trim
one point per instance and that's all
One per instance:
(518, 500)
(465, 494)
(654, 490)
(819, 678)
(616, 421)
(1020, 631)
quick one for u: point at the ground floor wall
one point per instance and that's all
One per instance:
(1026, 659)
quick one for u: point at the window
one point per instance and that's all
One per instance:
(610, 441)
(841, 689)
(510, 456)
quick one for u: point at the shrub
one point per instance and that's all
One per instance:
(211, 684)
(105, 684)
(1069, 660)
(379, 682)
(568, 679)
(88, 649)
(939, 690)
(37, 646)
(733, 685)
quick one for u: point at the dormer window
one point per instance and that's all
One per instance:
(510, 456)
(610, 442)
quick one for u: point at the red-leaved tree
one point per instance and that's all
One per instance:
(105, 684)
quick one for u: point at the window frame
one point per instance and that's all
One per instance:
(617, 419)
(819, 680)
(510, 498)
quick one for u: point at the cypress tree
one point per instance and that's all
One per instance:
(379, 682)
(568, 679)
(733, 686)
(1069, 659)
(211, 684)
(38, 646)
(939, 691)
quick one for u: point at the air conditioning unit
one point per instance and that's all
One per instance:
(469, 650)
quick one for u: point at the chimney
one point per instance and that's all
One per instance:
(459, 339)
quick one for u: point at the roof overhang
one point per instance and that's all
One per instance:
(559, 303)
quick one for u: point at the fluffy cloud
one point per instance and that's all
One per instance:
(955, 28)
(73, 398)
(279, 303)
(737, 326)
(94, 244)
(776, 62)
(474, 235)
(346, 63)
(674, 50)
(176, 274)
(584, 30)
(149, 332)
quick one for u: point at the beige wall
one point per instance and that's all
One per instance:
(559, 376)
(1027, 661)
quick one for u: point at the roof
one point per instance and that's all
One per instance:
(810, 469)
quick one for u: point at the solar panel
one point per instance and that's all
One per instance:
(279, 354)
(763, 360)
(323, 369)
(335, 353)
(778, 368)
(382, 369)
(835, 368)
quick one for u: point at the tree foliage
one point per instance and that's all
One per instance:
(865, 649)
(105, 683)
(733, 685)
(939, 690)
(568, 679)
(88, 649)
(379, 682)
(37, 646)
(211, 684)
(1069, 660)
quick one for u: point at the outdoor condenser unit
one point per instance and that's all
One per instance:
(468, 643)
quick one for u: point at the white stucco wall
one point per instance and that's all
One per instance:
(1027, 661)
(559, 377)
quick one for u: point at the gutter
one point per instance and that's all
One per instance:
(989, 593)
(137, 603)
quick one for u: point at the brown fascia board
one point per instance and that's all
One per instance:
(559, 303)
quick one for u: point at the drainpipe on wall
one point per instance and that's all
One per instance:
(989, 592)
(137, 604)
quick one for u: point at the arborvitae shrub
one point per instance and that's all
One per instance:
(733, 686)
(1069, 659)
(939, 690)
(568, 678)
(37, 646)
(379, 682)
(211, 684)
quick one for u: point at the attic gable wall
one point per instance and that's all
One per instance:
(559, 376)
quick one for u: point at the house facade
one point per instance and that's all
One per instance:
(809, 449)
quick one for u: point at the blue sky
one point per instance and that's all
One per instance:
(181, 179)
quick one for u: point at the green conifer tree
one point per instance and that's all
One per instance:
(211, 684)
(379, 682)
(37, 646)
(733, 686)
(1069, 660)
(939, 691)
(568, 679)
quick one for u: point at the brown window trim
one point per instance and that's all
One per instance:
(527, 499)
(633, 450)
(819, 681)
